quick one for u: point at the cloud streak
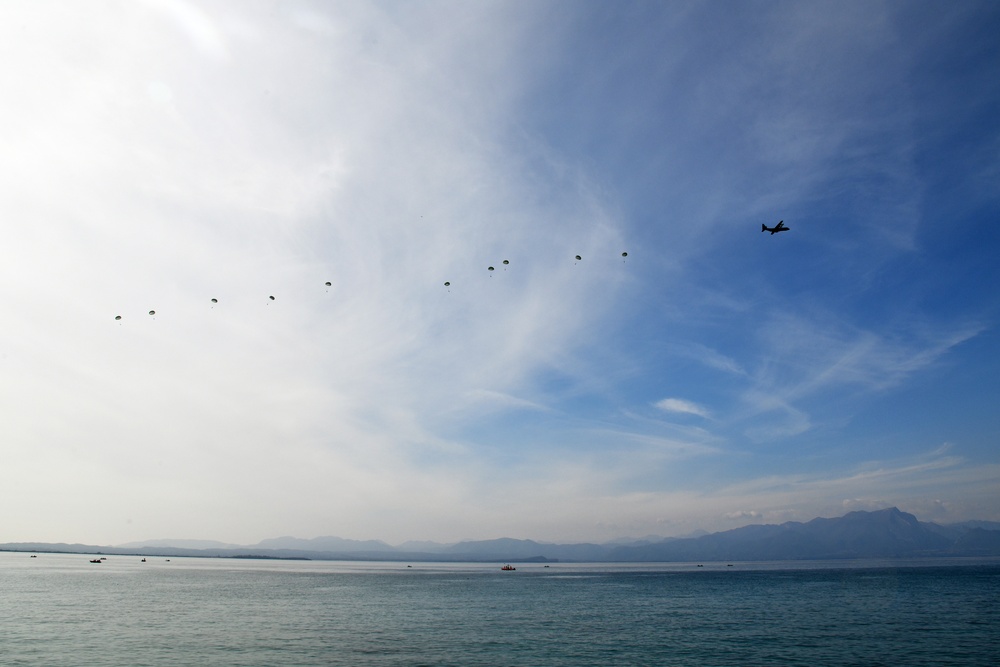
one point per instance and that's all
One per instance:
(679, 405)
(167, 154)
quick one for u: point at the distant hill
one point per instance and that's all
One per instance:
(422, 546)
(180, 544)
(324, 544)
(510, 549)
(985, 525)
(887, 533)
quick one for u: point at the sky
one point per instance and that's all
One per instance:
(687, 373)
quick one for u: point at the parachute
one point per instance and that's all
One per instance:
(490, 269)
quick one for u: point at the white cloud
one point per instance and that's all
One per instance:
(501, 401)
(682, 406)
(167, 153)
(802, 359)
(196, 24)
(379, 161)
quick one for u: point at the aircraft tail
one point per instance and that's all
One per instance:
(763, 227)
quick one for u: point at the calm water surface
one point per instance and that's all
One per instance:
(59, 609)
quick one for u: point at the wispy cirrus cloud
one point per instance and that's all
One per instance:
(710, 357)
(874, 361)
(681, 406)
(264, 158)
(804, 359)
(169, 153)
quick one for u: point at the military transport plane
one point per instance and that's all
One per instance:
(780, 227)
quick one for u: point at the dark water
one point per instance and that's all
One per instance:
(62, 610)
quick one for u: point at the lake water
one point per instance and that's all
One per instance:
(59, 609)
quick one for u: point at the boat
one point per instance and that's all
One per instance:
(95, 560)
(508, 568)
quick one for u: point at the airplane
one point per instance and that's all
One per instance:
(780, 227)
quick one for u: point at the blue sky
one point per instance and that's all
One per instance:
(162, 153)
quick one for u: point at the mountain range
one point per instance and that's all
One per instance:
(887, 533)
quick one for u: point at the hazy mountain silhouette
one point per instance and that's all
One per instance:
(422, 546)
(328, 543)
(181, 544)
(887, 533)
(510, 549)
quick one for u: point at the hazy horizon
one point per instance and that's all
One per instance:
(623, 538)
(206, 543)
(687, 372)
